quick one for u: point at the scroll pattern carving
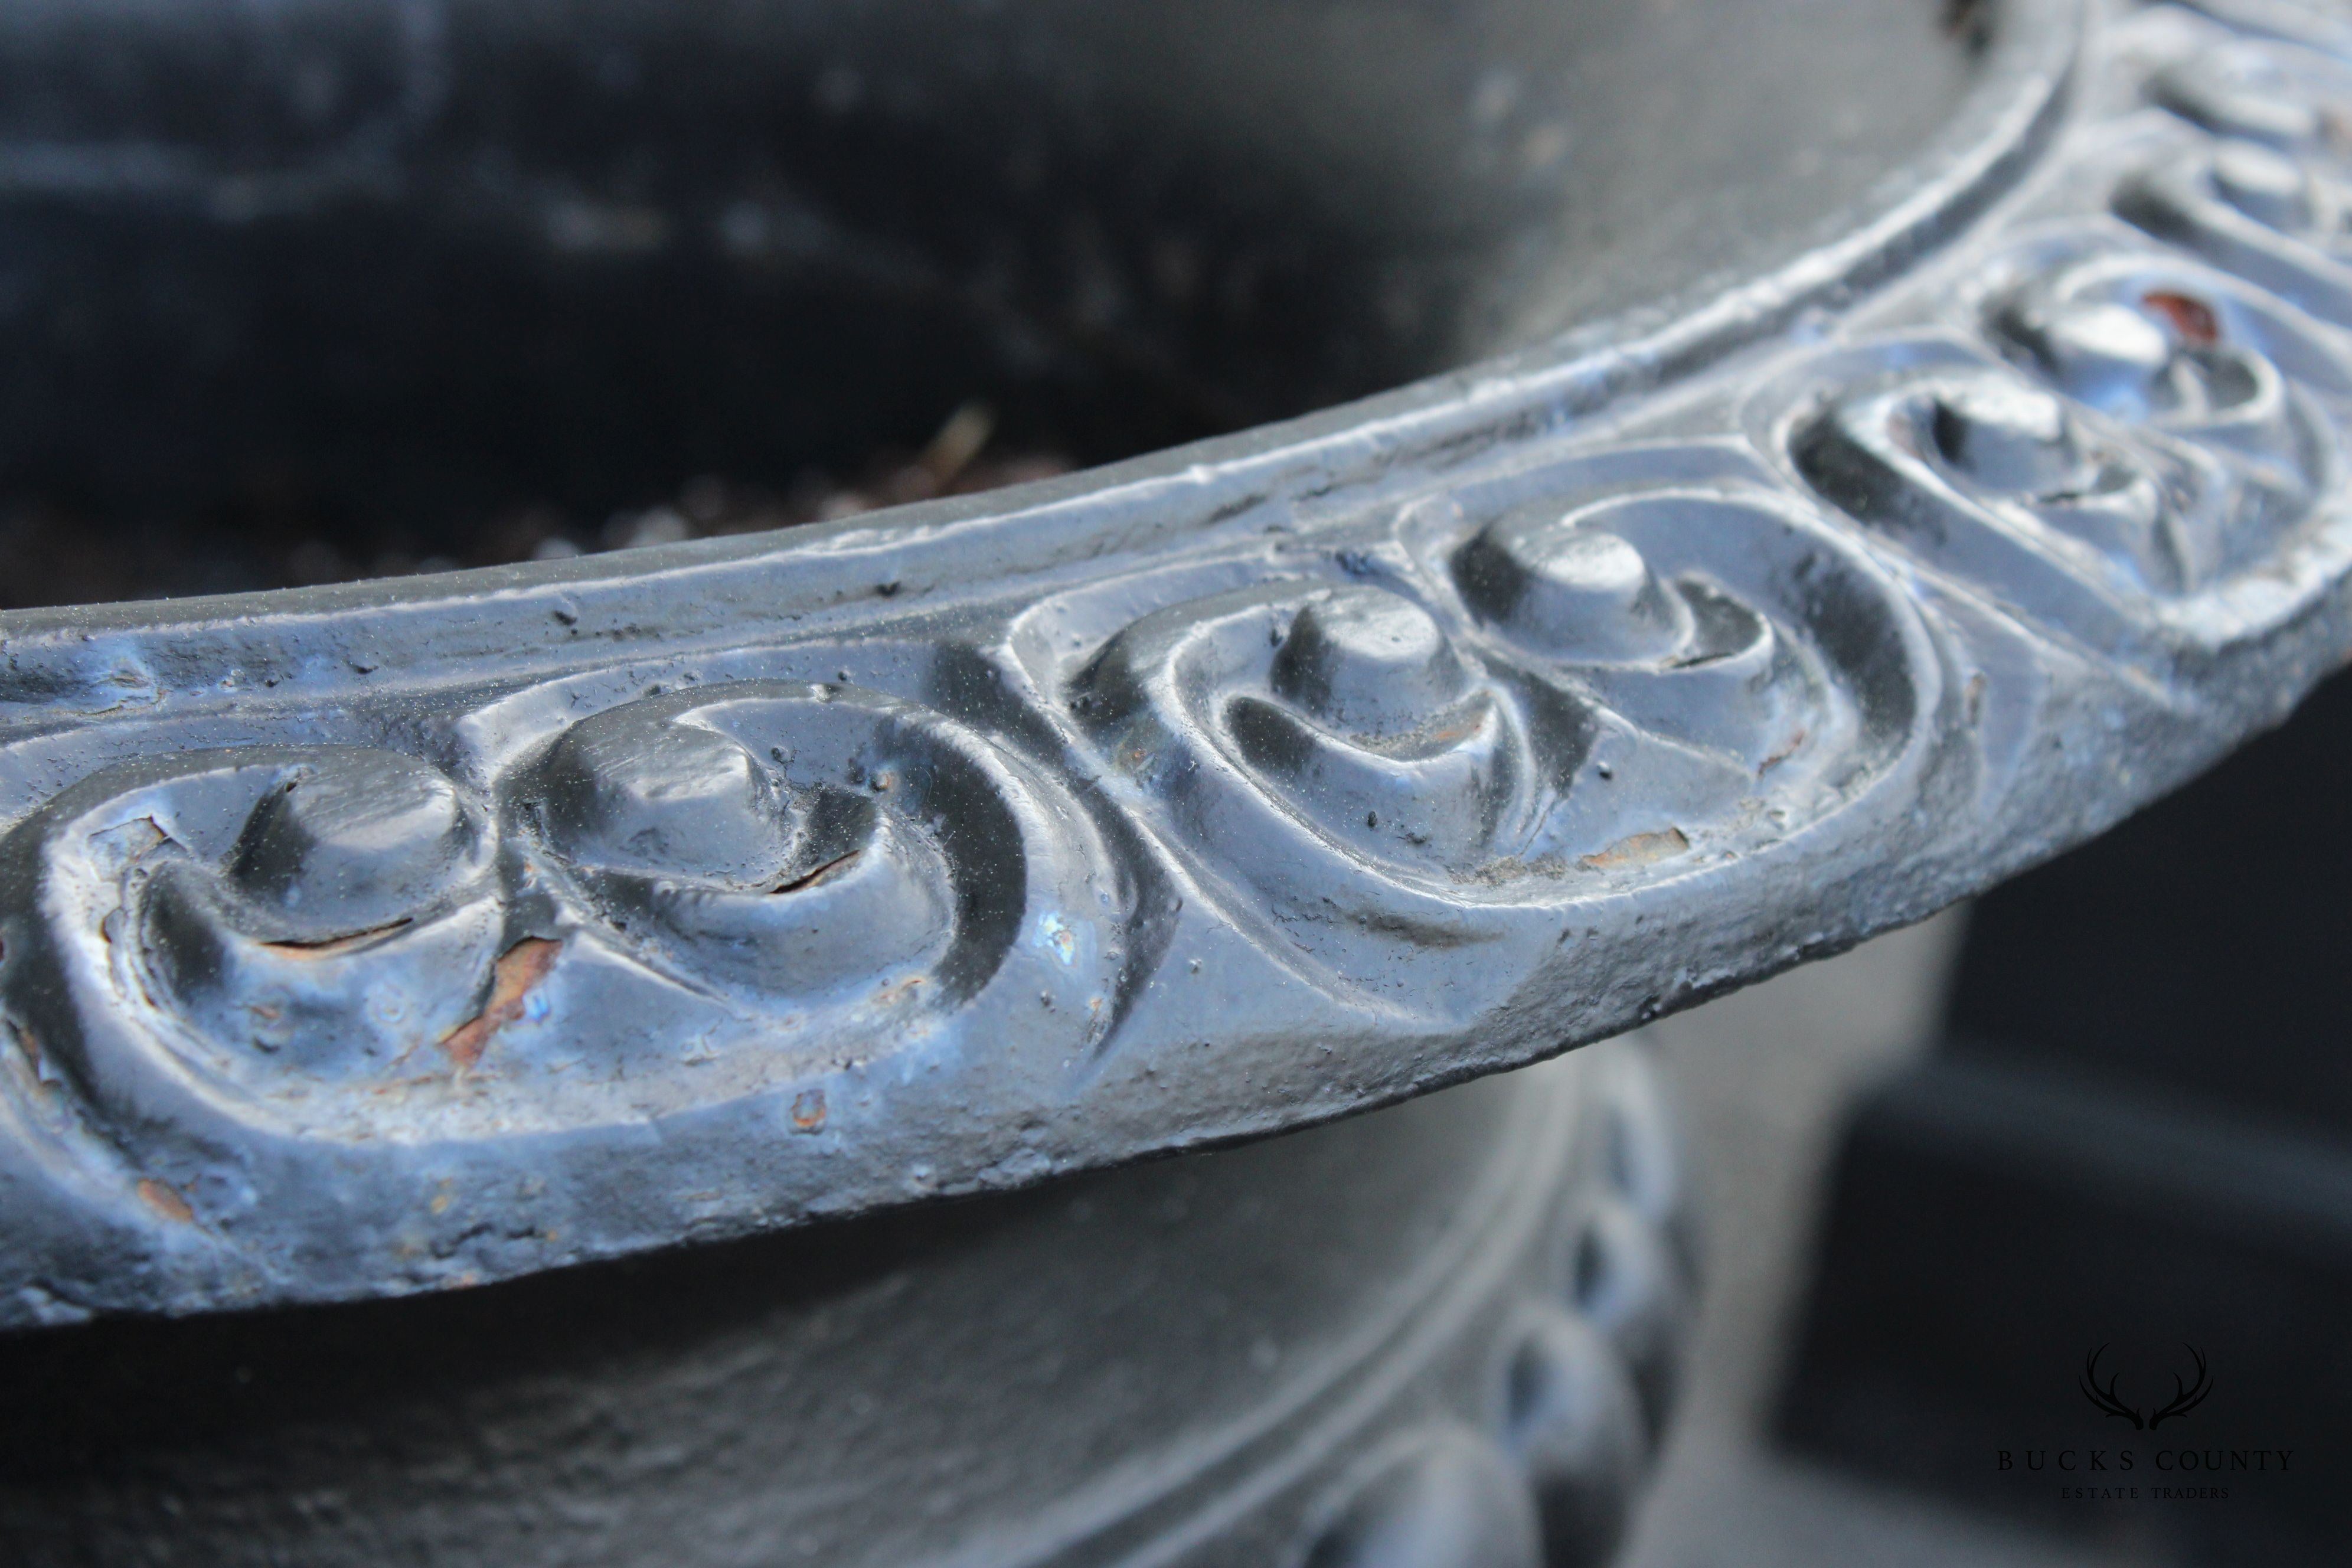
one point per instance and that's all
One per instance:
(1316, 796)
(311, 917)
(817, 847)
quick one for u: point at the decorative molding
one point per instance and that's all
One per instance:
(368, 941)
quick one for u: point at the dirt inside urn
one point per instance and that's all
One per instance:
(294, 295)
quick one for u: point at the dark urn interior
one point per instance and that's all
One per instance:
(337, 289)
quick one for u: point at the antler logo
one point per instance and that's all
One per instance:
(2186, 1396)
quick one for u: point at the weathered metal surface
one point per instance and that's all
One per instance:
(381, 939)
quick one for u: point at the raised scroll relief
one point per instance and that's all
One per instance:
(2001, 481)
(705, 854)
(1558, 697)
(856, 862)
(2283, 222)
(1343, 709)
(2181, 350)
(276, 919)
(1716, 618)
(2291, 100)
(1673, 651)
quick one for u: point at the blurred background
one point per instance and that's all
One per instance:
(2103, 1108)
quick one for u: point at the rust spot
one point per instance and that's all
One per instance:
(1787, 750)
(1454, 734)
(403, 1085)
(2193, 319)
(899, 991)
(520, 968)
(334, 945)
(166, 1200)
(1638, 850)
(824, 873)
(808, 1109)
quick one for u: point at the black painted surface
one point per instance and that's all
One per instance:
(1186, 1358)
(447, 280)
(409, 938)
(1222, 791)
